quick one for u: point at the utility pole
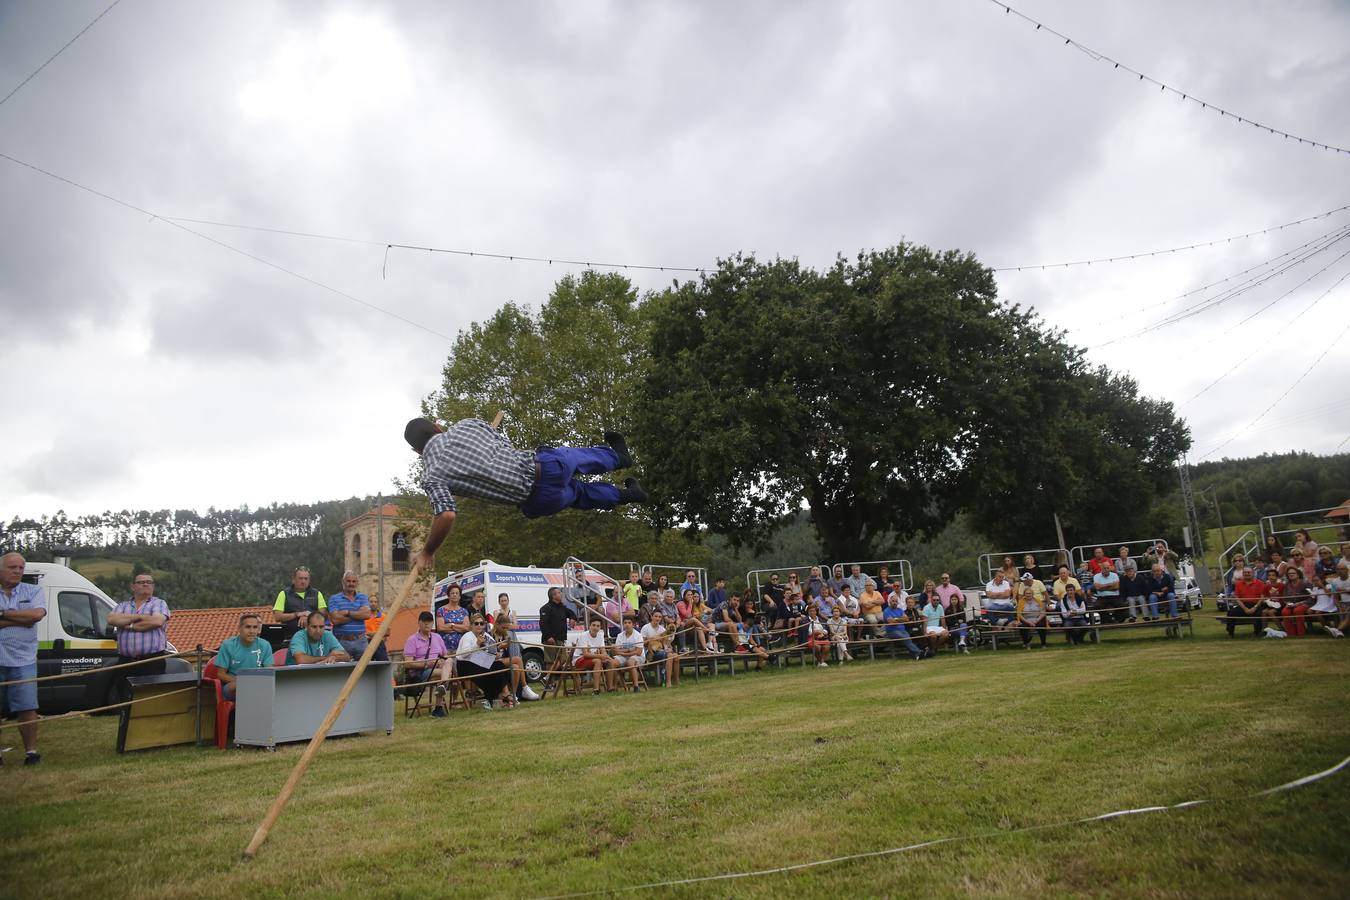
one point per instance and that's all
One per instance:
(1213, 493)
(1193, 527)
(379, 539)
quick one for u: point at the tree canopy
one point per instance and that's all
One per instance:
(886, 395)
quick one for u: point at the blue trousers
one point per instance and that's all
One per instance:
(1171, 599)
(558, 487)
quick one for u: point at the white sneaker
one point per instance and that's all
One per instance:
(527, 693)
(1334, 631)
(823, 665)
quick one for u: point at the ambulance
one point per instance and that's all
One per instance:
(74, 637)
(528, 588)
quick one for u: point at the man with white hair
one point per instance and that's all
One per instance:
(21, 608)
(348, 611)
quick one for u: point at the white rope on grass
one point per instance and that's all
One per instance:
(871, 854)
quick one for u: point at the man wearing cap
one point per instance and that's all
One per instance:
(472, 458)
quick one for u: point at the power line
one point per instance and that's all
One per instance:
(1148, 253)
(1321, 356)
(1204, 104)
(233, 249)
(394, 245)
(78, 35)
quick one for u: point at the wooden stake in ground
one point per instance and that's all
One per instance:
(497, 419)
(317, 741)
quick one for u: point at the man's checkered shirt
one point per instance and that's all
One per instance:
(472, 459)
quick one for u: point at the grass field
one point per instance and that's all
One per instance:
(757, 771)
(106, 567)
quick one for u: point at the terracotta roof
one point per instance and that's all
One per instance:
(405, 623)
(391, 511)
(1340, 512)
(208, 627)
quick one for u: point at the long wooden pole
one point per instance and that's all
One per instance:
(317, 741)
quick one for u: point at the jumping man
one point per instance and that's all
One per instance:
(472, 458)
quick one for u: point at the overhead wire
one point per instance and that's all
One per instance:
(1162, 86)
(1147, 253)
(233, 249)
(33, 74)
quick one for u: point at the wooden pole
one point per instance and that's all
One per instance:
(317, 741)
(497, 419)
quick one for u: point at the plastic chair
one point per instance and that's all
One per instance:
(223, 707)
(279, 657)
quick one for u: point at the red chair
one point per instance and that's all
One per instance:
(279, 658)
(223, 707)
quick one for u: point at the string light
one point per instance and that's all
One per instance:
(1203, 104)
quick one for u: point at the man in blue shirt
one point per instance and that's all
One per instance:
(21, 608)
(244, 651)
(315, 644)
(348, 612)
(895, 617)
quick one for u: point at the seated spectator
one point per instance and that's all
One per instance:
(1123, 558)
(1324, 610)
(1234, 573)
(751, 640)
(691, 611)
(666, 604)
(1162, 588)
(1272, 546)
(1029, 567)
(882, 581)
(1106, 593)
(1031, 614)
(934, 632)
(1274, 603)
(1299, 560)
(589, 655)
(947, 591)
(814, 583)
(245, 650)
(796, 617)
(773, 592)
(728, 620)
(817, 637)
(794, 584)
(503, 632)
(895, 618)
(754, 632)
(955, 619)
(1278, 563)
(630, 653)
(851, 609)
(1245, 602)
(1011, 573)
(856, 580)
(315, 644)
(348, 610)
(656, 640)
(836, 580)
(998, 599)
(870, 606)
(716, 597)
(1100, 561)
(1073, 608)
(478, 657)
(1297, 600)
(1325, 567)
(1307, 549)
(1340, 589)
(425, 659)
(838, 627)
(1042, 593)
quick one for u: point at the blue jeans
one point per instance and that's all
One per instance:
(558, 487)
(17, 698)
(906, 643)
(1171, 599)
(999, 606)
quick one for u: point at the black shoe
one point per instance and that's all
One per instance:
(439, 713)
(620, 447)
(632, 492)
(32, 759)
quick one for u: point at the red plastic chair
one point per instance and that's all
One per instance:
(223, 707)
(279, 658)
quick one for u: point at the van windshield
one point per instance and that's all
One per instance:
(83, 616)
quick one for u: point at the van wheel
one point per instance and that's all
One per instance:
(533, 660)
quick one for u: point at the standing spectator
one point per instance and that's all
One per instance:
(141, 625)
(588, 653)
(1106, 589)
(245, 650)
(21, 608)
(856, 579)
(452, 619)
(1161, 588)
(838, 628)
(629, 653)
(657, 642)
(579, 591)
(814, 583)
(425, 659)
(883, 582)
(998, 599)
(1031, 614)
(553, 618)
(315, 644)
(933, 630)
(373, 626)
(1245, 601)
(647, 584)
(895, 618)
(477, 657)
(294, 604)
(871, 605)
(348, 609)
(1100, 561)
(1163, 556)
(633, 594)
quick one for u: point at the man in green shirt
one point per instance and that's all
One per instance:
(245, 651)
(315, 644)
(294, 604)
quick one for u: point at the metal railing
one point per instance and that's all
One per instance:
(902, 568)
(1078, 556)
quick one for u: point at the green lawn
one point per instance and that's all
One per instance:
(107, 567)
(745, 773)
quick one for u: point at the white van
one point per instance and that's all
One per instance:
(74, 636)
(528, 588)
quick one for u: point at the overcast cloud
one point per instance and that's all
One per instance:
(153, 368)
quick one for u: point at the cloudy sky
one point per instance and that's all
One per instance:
(148, 366)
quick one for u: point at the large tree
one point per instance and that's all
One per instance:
(886, 395)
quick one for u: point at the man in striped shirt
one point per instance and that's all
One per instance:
(141, 624)
(472, 458)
